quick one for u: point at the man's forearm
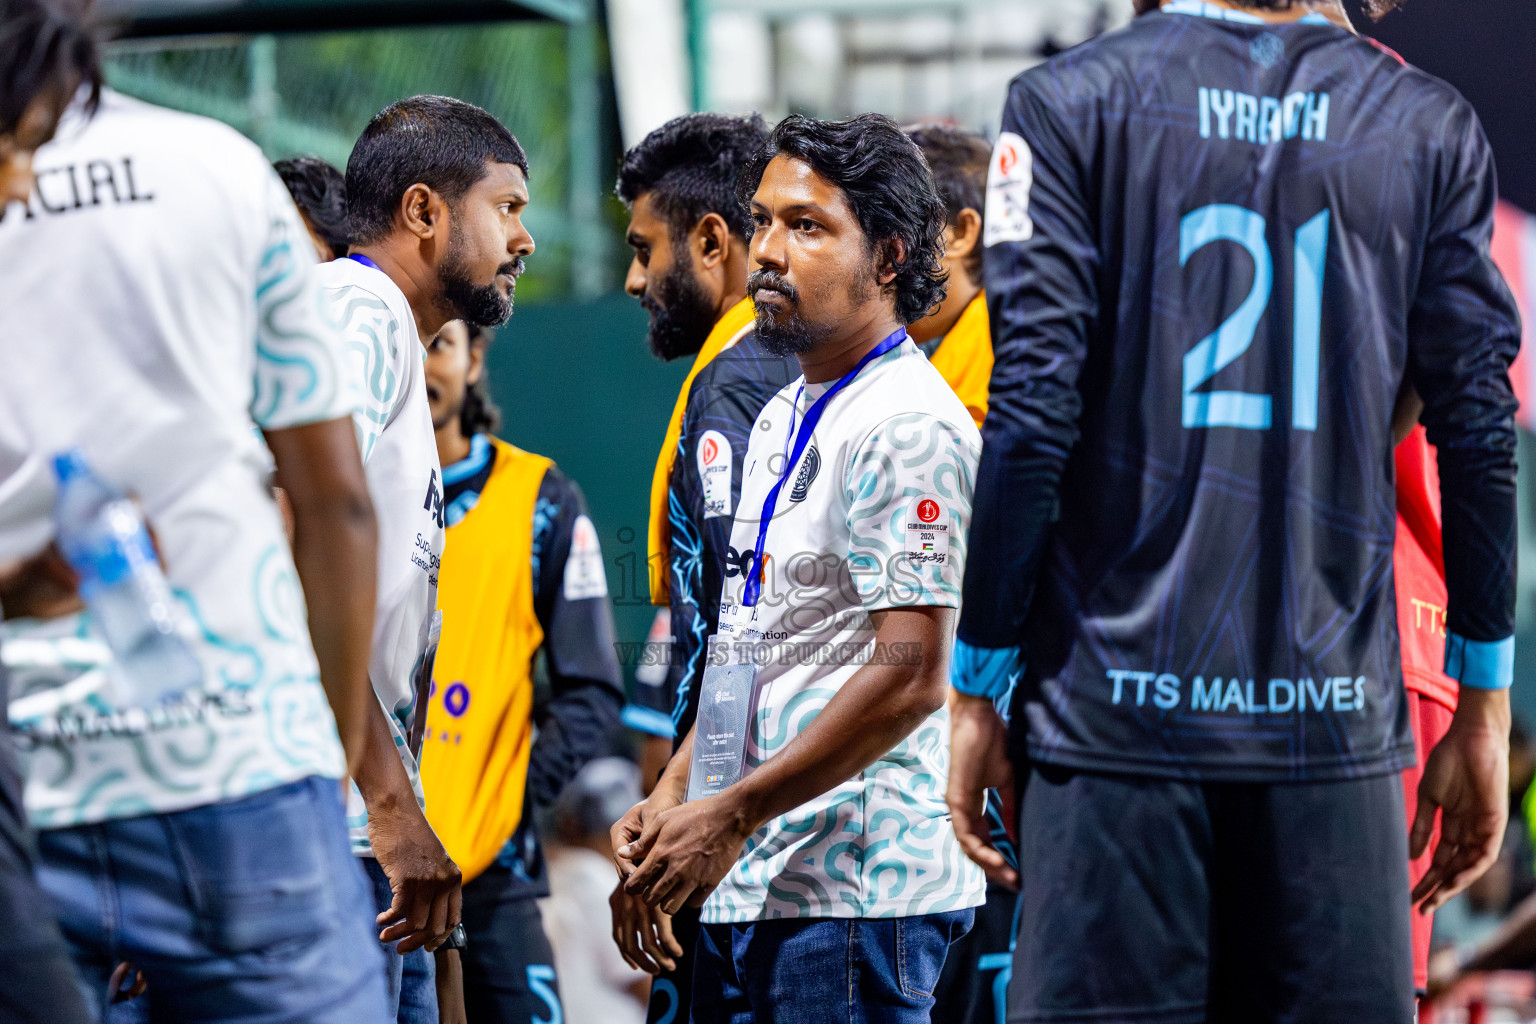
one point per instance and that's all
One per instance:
(449, 979)
(580, 725)
(336, 552)
(1018, 485)
(673, 784)
(341, 606)
(1480, 535)
(381, 776)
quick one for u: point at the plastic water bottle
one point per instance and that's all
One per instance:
(105, 540)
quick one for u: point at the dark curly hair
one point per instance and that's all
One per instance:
(44, 48)
(958, 159)
(1375, 8)
(886, 180)
(436, 141)
(479, 414)
(689, 166)
(320, 193)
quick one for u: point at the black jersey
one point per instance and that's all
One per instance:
(1216, 248)
(724, 401)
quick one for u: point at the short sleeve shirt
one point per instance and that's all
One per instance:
(160, 302)
(872, 517)
(394, 433)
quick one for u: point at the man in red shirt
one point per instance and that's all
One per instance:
(1418, 564)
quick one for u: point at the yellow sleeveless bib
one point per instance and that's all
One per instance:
(728, 330)
(964, 357)
(474, 755)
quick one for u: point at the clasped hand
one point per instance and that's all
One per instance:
(675, 857)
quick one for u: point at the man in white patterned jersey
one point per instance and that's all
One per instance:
(201, 837)
(834, 847)
(47, 58)
(689, 236)
(435, 193)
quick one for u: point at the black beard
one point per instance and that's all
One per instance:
(453, 415)
(681, 316)
(789, 334)
(480, 304)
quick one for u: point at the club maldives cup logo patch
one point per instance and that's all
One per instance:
(1009, 179)
(927, 530)
(714, 461)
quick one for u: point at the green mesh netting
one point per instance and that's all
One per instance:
(314, 93)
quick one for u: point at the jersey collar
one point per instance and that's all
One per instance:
(469, 465)
(1201, 9)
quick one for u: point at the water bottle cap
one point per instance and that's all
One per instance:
(70, 464)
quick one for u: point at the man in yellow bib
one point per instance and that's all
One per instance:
(522, 572)
(689, 236)
(956, 336)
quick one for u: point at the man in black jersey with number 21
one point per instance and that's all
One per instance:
(1220, 243)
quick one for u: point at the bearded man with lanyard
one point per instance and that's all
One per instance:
(689, 234)
(832, 846)
(435, 192)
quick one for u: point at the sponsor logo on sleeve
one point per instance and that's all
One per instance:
(928, 530)
(1009, 178)
(584, 576)
(715, 467)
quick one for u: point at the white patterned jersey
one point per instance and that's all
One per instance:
(873, 517)
(394, 432)
(158, 301)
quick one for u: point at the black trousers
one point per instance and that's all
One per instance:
(509, 965)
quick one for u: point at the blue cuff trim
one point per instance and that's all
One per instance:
(648, 720)
(1480, 664)
(983, 671)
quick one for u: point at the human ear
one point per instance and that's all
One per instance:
(712, 238)
(476, 363)
(895, 252)
(423, 211)
(964, 234)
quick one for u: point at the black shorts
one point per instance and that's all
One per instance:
(672, 992)
(974, 985)
(1154, 900)
(509, 965)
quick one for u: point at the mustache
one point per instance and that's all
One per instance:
(513, 269)
(771, 281)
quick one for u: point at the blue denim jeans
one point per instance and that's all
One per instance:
(413, 977)
(820, 971)
(251, 910)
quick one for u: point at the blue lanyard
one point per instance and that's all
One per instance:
(365, 261)
(754, 587)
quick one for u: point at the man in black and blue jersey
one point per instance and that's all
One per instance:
(1219, 243)
(689, 236)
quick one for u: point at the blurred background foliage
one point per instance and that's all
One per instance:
(314, 93)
